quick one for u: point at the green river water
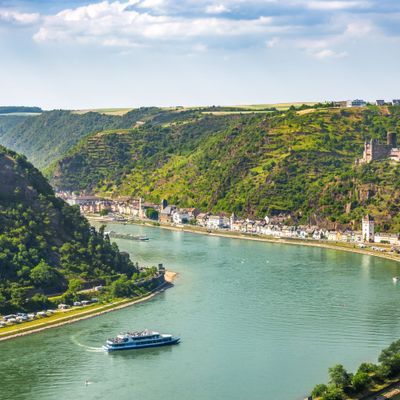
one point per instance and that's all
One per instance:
(257, 321)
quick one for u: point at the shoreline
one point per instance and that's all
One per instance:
(234, 235)
(170, 276)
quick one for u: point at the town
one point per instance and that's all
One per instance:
(277, 226)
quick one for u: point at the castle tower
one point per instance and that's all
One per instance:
(368, 228)
(232, 220)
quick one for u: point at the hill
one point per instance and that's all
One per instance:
(295, 162)
(43, 139)
(44, 243)
(19, 109)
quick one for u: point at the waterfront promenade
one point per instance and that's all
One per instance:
(78, 314)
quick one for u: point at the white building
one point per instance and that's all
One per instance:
(215, 222)
(356, 103)
(368, 227)
(180, 217)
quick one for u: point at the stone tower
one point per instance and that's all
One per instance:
(368, 228)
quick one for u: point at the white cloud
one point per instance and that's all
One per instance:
(217, 9)
(359, 28)
(328, 53)
(152, 4)
(335, 5)
(272, 42)
(19, 17)
(102, 22)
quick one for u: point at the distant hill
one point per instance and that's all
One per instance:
(19, 109)
(295, 162)
(45, 138)
(45, 243)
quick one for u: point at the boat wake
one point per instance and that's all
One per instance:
(86, 347)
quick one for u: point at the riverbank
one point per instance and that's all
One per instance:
(343, 246)
(76, 315)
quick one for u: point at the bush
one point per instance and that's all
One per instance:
(339, 377)
(319, 390)
(360, 381)
(333, 393)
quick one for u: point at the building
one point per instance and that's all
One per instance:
(215, 222)
(166, 214)
(368, 228)
(356, 103)
(373, 150)
(396, 102)
(180, 217)
(380, 102)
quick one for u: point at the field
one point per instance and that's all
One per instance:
(246, 108)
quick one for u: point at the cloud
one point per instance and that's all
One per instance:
(328, 53)
(104, 21)
(19, 17)
(217, 9)
(335, 5)
(272, 42)
(321, 28)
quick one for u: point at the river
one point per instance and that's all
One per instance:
(257, 321)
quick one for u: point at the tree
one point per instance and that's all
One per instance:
(74, 285)
(333, 393)
(390, 358)
(151, 213)
(121, 287)
(43, 275)
(360, 381)
(319, 390)
(339, 377)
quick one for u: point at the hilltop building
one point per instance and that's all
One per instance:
(396, 102)
(373, 150)
(368, 227)
(356, 103)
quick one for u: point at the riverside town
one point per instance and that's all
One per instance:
(126, 209)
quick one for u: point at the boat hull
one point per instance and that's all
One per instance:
(141, 346)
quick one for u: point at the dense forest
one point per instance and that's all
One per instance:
(45, 244)
(299, 162)
(44, 138)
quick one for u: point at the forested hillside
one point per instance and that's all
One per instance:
(43, 139)
(297, 162)
(45, 243)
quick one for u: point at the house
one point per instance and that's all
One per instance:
(166, 214)
(215, 222)
(392, 239)
(356, 103)
(396, 102)
(201, 219)
(180, 217)
(380, 102)
(332, 235)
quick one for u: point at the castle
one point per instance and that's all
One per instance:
(373, 150)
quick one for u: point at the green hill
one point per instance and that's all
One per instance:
(43, 139)
(297, 162)
(44, 243)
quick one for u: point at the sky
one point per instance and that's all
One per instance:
(129, 53)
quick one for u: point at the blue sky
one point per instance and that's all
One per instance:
(127, 53)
